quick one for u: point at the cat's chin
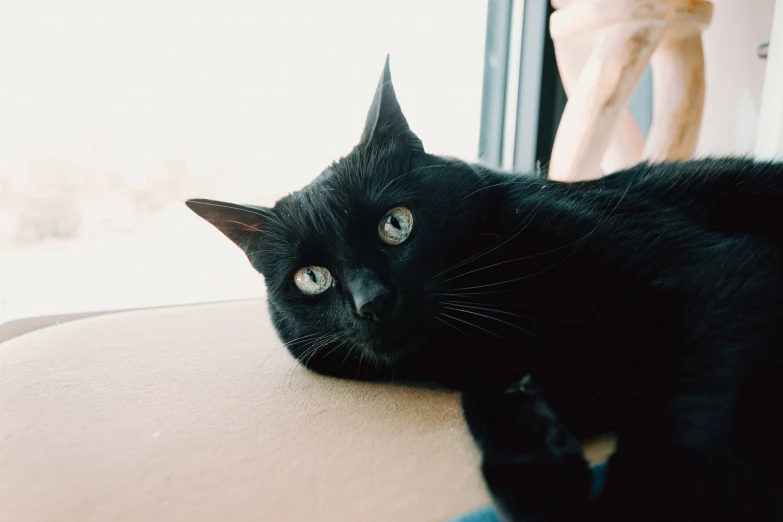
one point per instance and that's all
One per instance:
(375, 347)
(385, 350)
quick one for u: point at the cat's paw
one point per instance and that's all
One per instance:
(533, 466)
(540, 488)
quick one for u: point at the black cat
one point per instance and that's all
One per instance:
(648, 303)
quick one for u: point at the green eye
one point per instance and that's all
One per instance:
(395, 226)
(313, 280)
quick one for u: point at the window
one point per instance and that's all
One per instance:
(523, 97)
(111, 115)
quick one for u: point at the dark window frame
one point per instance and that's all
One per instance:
(539, 97)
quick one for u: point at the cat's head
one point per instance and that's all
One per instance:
(351, 260)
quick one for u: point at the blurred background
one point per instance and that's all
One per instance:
(114, 113)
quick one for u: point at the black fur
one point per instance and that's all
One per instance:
(648, 303)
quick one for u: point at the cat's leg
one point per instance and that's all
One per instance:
(710, 455)
(659, 472)
(666, 467)
(679, 455)
(533, 467)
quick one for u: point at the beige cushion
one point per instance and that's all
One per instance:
(197, 413)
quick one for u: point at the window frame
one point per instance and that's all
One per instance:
(523, 97)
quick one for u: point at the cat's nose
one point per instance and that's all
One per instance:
(370, 297)
(372, 306)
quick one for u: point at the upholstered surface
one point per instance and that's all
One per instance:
(197, 413)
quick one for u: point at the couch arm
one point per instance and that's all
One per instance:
(197, 413)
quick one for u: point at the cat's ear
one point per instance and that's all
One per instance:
(241, 224)
(385, 120)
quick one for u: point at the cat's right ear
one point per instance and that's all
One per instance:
(385, 120)
(241, 224)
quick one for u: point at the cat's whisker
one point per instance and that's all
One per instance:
(486, 309)
(304, 359)
(336, 347)
(554, 265)
(501, 305)
(465, 295)
(318, 345)
(531, 256)
(309, 353)
(300, 340)
(521, 228)
(493, 319)
(522, 278)
(513, 280)
(438, 318)
(473, 325)
(276, 349)
(348, 354)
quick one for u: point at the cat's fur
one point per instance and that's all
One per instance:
(648, 303)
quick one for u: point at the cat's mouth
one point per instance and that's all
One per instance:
(388, 342)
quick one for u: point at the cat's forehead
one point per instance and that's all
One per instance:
(349, 195)
(330, 203)
(331, 215)
(348, 188)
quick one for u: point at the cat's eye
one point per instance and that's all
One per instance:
(313, 280)
(396, 226)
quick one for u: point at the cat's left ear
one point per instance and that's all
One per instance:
(385, 120)
(241, 224)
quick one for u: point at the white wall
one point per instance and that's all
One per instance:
(734, 75)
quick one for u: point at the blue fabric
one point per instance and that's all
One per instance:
(488, 514)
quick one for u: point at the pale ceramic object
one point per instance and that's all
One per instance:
(602, 49)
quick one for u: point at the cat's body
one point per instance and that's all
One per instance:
(648, 303)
